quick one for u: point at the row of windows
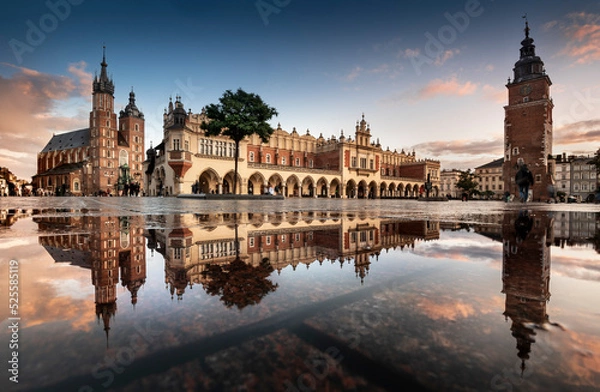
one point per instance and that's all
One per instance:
(268, 239)
(216, 148)
(283, 161)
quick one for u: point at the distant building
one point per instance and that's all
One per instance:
(289, 164)
(104, 158)
(491, 179)
(583, 178)
(448, 180)
(528, 122)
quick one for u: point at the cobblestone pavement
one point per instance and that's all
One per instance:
(453, 210)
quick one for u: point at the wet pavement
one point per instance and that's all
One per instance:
(171, 294)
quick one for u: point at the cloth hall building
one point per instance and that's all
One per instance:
(290, 164)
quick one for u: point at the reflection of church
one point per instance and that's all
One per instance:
(526, 275)
(284, 239)
(111, 247)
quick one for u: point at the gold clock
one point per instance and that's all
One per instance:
(525, 89)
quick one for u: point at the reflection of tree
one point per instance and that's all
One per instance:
(238, 283)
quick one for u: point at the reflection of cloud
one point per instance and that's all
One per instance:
(41, 302)
(446, 310)
(27, 101)
(578, 263)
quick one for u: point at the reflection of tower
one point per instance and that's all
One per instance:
(106, 245)
(526, 275)
(132, 258)
(105, 266)
(176, 254)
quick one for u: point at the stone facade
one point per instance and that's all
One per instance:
(293, 165)
(490, 178)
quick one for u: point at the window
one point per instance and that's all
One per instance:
(297, 161)
(268, 240)
(516, 151)
(187, 145)
(176, 144)
(251, 156)
(137, 128)
(371, 164)
(268, 158)
(283, 160)
(353, 164)
(363, 163)
(283, 238)
(251, 242)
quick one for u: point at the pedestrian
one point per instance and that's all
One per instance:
(524, 180)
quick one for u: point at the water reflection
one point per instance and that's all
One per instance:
(526, 275)
(261, 265)
(111, 247)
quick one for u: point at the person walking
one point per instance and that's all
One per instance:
(524, 180)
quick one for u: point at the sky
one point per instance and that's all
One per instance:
(429, 76)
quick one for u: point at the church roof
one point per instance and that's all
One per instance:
(65, 168)
(65, 141)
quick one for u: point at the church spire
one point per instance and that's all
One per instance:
(103, 84)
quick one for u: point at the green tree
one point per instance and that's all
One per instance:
(467, 183)
(238, 115)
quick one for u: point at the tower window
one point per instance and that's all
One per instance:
(516, 151)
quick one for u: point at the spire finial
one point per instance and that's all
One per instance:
(526, 26)
(103, 54)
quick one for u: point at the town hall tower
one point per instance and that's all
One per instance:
(528, 122)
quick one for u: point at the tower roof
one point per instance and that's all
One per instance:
(103, 84)
(131, 109)
(529, 66)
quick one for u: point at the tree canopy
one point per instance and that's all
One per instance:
(238, 115)
(467, 182)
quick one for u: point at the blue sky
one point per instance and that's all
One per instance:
(428, 75)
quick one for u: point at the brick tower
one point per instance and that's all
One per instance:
(528, 121)
(103, 134)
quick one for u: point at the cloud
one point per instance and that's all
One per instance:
(446, 87)
(583, 33)
(353, 74)
(579, 132)
(445, 56)
(494, 94)
(28, 100)
(460, 147)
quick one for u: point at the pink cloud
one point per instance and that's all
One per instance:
(583, 32)
(446, 87)
(579, 132)
(27, 101)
